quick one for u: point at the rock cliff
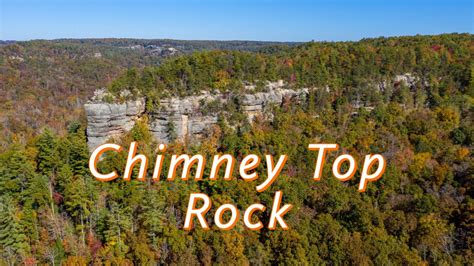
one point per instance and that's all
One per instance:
(185, 117)
(176, 117)
(108, 120)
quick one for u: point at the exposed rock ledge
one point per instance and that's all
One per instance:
(105, 120)
(186, 115)
(108, 120)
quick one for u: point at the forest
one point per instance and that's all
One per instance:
(53, 211)
(46, 82)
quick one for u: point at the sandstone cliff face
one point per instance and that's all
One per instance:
(108, 120)
(185, 114)
(254, 104)
(178, 118)
(182, 118)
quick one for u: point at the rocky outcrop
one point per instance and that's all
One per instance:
(177, 118)
(185, 117)
(108, 120)
(182, 117)
(406, 79)
(254, 104)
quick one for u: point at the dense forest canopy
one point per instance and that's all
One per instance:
(438, 59)
(421, 210)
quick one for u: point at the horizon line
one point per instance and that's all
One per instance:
(230, 40)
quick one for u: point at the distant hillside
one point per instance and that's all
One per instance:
(444, 61)
(45, 83)
(182, 45)
(2, 42)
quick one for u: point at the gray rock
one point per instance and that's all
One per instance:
(110, 120)
(406, 79)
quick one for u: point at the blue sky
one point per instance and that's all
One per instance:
(280, 20)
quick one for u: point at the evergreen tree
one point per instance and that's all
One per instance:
(13, 240)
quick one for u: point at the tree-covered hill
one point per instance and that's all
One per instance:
(443, 61)
(45, 83)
